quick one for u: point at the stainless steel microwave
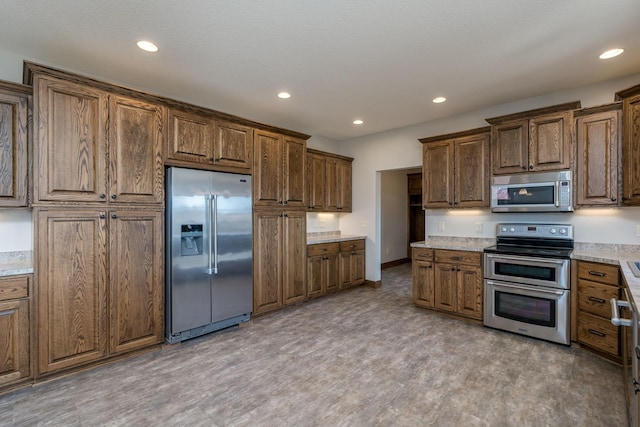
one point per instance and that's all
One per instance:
(532, 192)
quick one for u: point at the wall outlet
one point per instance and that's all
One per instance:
(478, 227)
(365, 224)
(386, 251)
(441, 226)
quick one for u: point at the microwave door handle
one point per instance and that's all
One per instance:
(557, 194)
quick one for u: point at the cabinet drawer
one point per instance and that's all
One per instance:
(594, 297)
(13, 287)
(352, 245)
(598, 333)
(458, 257)
(422, 254)
(602, 273)
(322, 249)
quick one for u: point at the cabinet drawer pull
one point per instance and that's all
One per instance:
(597, 333)
(596, 299)
(457, 258)
(597, 273)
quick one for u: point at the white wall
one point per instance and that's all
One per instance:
(399, 148)
(394, 211)
(323, 222)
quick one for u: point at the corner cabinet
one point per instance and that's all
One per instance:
(630, 145)
(455, 170)
(97, 296)
(93, 146)
(598, 146)
(201, 140)
(535, 140)
(15, 118)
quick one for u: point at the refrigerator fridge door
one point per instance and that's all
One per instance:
(231, 261)
(189, 290)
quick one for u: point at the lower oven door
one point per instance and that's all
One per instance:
(528, 310)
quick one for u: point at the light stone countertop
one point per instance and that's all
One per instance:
(15, 263)
(313, 239)
(472, 244)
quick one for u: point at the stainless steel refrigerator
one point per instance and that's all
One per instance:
(209, 281)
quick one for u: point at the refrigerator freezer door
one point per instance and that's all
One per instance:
(189, 293)
(232, 290)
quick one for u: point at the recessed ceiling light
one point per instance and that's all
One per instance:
(284, 95)
(439, 100)
(611, 53)
(358, 122)
(148, 46)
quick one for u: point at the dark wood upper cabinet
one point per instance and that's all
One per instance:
(630, 145)
(535, 140)
(15, 118)
(455, 170)
(597, 140)
(329, 182)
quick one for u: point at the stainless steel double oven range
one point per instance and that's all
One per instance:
(527, 280)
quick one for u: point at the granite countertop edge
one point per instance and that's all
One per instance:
(455, 243)
(333, 238)
(16, 263)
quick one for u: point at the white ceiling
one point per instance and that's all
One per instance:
(379, 60)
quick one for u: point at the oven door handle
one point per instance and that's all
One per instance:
(532, 261)
(526, 288)
(615, 317)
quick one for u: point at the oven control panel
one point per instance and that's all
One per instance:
(540, 231)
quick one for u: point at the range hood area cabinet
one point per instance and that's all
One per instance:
(15, 130)
(630, 145)
(329, 182)
(455, 170)
(535, 140)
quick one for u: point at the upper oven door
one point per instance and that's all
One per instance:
(553, 273)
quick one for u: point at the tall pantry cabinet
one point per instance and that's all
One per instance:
(98, 211)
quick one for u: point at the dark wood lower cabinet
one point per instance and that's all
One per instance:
(100, 284)
(449, 281)
(15, 336)
(352, 263)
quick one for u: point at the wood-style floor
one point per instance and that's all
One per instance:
(363, 357)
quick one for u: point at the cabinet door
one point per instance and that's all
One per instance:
(14, 336)
(136, 285)
(357, 268)
(71, 283)
(445, 287)
(267, 169)
(14, 116)
(294, 256)
(470, 291)
(234, 145)
(316, 182)
(295, 159)
(344, 186)
(472, 171)
(550, 142)
(344, 267)
(510, 147)
(332, 192)
(136, 138)
(437, 172)
(267, 240)
(597, 162)
(422, 273)
(191, 137)
(331, 269)
(70, 162)
(315, 276)
(631, 151)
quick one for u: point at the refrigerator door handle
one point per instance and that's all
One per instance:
(214, 221)
(209, 230)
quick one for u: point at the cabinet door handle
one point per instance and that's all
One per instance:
(530, 167)
(613, 199)
(102, 216)
(113, 196)
(102, 196)
(596, 299)
(597, 273)
(524, 168)
(114, 216)
(596, 333)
